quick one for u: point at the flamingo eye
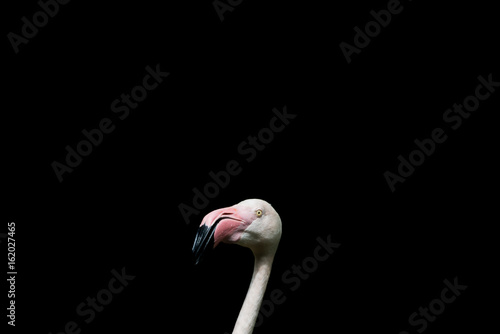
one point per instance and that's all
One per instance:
(258, 213)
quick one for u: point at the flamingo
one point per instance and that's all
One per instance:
(252, 223)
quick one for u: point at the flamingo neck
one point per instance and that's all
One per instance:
(253, 300)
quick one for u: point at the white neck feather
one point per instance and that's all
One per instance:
(253, 300)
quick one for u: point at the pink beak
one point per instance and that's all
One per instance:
(224, 225)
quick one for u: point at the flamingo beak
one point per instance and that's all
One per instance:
(224, 221)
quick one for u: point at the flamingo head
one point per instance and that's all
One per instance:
(252, 223)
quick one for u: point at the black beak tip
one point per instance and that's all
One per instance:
(203, 243)
(200, 253)
(197, 256)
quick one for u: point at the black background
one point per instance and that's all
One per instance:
(323, 173)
